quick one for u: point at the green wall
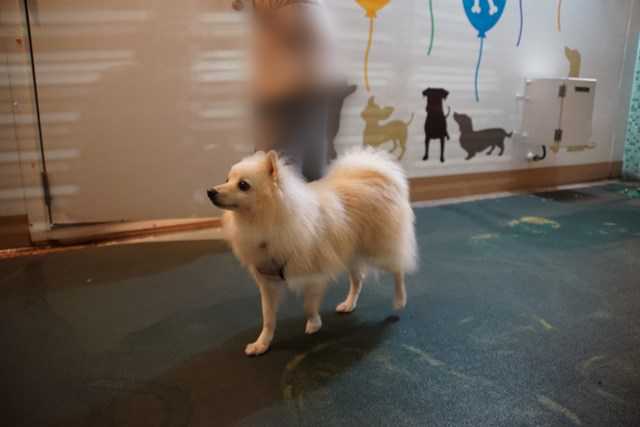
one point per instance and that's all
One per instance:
(631, 169)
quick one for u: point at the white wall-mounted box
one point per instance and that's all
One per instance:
(558, 111)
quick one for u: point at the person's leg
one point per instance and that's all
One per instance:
(297, 127)
(313, 137)
(275, 129)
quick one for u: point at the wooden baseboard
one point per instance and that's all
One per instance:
(14, 232)
(71, 235)
(440, 187)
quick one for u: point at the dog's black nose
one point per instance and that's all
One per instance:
(211, 194)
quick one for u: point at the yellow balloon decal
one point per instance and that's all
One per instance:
(559, 10)
(371, 6)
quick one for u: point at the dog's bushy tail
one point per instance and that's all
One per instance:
(378, 160)
(382, 162)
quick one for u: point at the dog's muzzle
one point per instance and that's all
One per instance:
(212, 194)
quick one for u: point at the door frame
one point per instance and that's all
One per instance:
(13, 15)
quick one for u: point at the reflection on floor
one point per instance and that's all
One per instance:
(524, 312)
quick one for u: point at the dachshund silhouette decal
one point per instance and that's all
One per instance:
(476, 141)
(435, 126)
(376, 134)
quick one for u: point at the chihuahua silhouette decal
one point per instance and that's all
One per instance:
(376, 134)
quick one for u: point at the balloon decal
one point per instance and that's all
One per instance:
(371, 6)
(483, 16)
(559, 10)
(521, 25)
(433, 27)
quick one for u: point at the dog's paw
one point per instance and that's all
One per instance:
(313, 326)
(345, 307)
(255, 349)
(399, 303)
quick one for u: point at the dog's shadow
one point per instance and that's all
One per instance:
(221, 385)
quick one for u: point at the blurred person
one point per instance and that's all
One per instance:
(295, 68)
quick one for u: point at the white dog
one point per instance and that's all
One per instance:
(302, 236)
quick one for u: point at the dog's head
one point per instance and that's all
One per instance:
(373, 111)
(250, 184)
(464, 121)
(435, 94)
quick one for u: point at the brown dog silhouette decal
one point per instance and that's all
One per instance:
(336, 101)
(435, 126)
(476, 141)
(574, 58)
(376, 134)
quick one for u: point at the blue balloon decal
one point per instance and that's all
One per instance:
(483, 15)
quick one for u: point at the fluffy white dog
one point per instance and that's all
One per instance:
(291, 234)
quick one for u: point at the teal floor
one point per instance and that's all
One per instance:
(525, 312)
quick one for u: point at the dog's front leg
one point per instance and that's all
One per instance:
(271, 294)
(312, 299)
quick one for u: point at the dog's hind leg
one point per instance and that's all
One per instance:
(312, 300)
(501, 145)
(403, 149)
(355, 278)
(442, 149)
(400, 297)
(395, 146)
(271, 294)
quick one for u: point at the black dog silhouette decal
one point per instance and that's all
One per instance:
(476, 141)
(336, 101)
(435, 127)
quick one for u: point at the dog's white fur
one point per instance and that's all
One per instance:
(358, 216)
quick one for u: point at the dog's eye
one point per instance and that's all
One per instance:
(227, 180)
(244, 186)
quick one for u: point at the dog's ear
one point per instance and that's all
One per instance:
(386, 112)
(272, 164)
